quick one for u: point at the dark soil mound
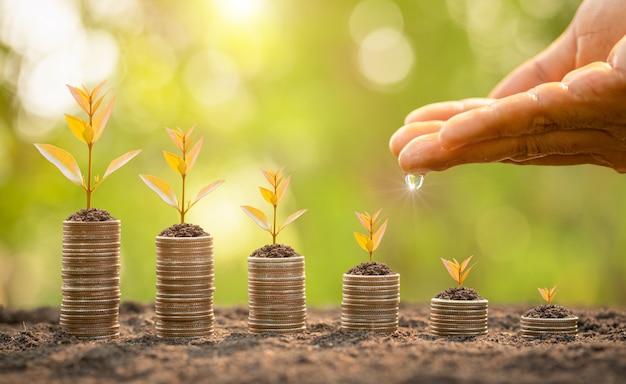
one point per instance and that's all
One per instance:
(372, 269)
(91, 214)
(549, 311)
(275, 251)
(459, 293)
(183, 230)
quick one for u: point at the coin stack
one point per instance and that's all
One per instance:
(185, 286)
(458, 317)
(276, 295)
(534, 327)
(91, 279)
(370, 302)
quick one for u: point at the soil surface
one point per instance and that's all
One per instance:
(183, 230)
(459, 293)
(91, 214)
(550, 311)
(34, 350)
(371, 269)
(274, 251)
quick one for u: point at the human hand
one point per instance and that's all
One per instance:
(579, 120)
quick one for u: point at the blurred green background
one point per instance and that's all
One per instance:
(317, 86)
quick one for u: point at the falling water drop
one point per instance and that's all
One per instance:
(414, 182)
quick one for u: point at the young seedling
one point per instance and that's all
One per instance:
(273, 196)
(375, 229)
(547, 294)
(88, 132)
(181, 165)
(458, 271)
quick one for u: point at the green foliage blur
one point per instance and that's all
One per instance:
(316, 86)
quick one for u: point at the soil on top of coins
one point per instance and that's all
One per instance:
(275, 251)
(549, 311)
(183, 230)
(34, 350)
(459, 293)
(371, 269)
(91, 214)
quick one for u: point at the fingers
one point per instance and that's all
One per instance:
(516, 115)
(548, 66)
(445, 110)
(425, 154)
(410, 131)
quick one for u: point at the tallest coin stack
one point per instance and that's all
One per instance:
(91, 279)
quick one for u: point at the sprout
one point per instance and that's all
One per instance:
(181, 165)
(88, 132)
(376, 231)
(458, 271)
(273, 196)
(547, 294)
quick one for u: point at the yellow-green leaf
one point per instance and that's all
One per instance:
(282, 188)
(177, 138)
(119, 163)
(378, 236)
(364, 241)
(82, 98)
(162, 188)
(205, 191)
(268, 195)
(80, 128)
(64, 161)
(101, 119)
(192, 156)
(291, 218)
(259, 217)
(176, 163)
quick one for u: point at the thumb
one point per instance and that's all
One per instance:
(550, 65)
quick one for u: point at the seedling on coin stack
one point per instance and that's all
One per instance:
(371, 290)
(276, 279)
(91, 236)
(458, 311)
(548, 318)
(185, 277)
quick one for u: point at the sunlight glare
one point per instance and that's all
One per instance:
(239, 10)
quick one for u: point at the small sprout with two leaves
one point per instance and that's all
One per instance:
(375, 229)
(88, 132)
(547, 294)
(273, 196)
(458, 271)
(181, 165)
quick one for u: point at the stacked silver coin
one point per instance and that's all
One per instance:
(534, 327)
(91, 279)
(276, 295)
(185, 286)
(370, 302)
(458, 317)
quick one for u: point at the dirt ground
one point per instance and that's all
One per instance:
(34, 350)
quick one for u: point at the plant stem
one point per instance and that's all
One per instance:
(182, 203)
(89, 162)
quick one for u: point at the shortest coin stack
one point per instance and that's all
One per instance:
(91, 279)
(370, 302)
(535, 327)
(276, 295)
(185, 286)
(458, 317)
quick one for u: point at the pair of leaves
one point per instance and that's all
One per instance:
(89, 132)
(458, 271)
(261, 220)
(547, 294)
(375, 230)
(68, 166)
(183, 164)
(166, 193)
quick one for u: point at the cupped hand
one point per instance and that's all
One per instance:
(532, 117)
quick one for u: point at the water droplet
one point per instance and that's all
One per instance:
(414, 182)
